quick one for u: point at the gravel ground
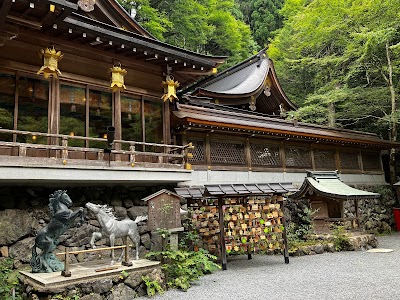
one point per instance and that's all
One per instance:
(342, 275)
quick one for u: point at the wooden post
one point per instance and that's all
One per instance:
(285, 243)
(222, 232)
(66, 272)
(64, 151)
(126, 261)
(357, 213)
(132, 148)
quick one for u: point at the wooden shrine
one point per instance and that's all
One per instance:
(239, 218)
(326, 193)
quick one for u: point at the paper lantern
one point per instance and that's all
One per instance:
(117, 78)
(170, 86)
(51, 57)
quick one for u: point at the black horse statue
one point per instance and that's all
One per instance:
(47, 239)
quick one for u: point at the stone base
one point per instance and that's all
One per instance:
(81, 273)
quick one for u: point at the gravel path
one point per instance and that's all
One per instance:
(336, 276)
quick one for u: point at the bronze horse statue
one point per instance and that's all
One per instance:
(47, 238)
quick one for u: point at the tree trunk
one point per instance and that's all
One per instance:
(393, 123)
(331, 115)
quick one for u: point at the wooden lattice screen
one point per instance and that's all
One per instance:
(349, 160)
(198, 151)
(298, 158)
(264, 155)
(371, 161)
(324, 159)
(227, 153)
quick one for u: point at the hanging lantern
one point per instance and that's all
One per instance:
(117, 78)
(170, 86)
(50, 62)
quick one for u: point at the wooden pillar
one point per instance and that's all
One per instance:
(87, 124)
(247, 153)
(117, 122)
(222, 232)
(284, 235)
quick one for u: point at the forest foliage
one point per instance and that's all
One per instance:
(338, 60)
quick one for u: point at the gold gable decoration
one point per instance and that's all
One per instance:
(117, 78)
(50, 57)
(170, 86)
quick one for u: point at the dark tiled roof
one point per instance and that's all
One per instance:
(239, 118)
(213, 190)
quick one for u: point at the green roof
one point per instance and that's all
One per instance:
(328, 184)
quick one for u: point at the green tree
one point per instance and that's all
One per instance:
(340, 62)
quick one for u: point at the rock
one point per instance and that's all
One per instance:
(122, 292)
(135, 211)
(4, 251)
(102, 286)
(92, 296)
(128, 203)
(15, 224)
(135, 279)
(330, 247)
(79, 236)
(115, 200)
(143, 229)
(120, 212)
(157, 275)
(22, 250)
(319, 249)
(94, 223)
(146, 241)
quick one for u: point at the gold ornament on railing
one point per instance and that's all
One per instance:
(51, 57)
(117, 78)
(170, 86)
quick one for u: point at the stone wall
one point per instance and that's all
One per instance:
(24, 211)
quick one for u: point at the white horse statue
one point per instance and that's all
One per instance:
(113, 228)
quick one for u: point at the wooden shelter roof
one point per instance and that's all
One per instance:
(207, 117)
(251, 81)
(248, 189)
(106, 29)
(328, 184)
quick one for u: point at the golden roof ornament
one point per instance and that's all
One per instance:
(170, 86)
(51, 57)
(117, 78)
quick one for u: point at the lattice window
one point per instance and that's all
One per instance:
(264, 155)
(297, 158)
(324, 159)
(371, 161)
(227, 153)
(349, 160)
(198, 151)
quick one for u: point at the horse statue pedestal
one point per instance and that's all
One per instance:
(47, 238)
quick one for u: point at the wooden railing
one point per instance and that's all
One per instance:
(67, 272)
(58, 147)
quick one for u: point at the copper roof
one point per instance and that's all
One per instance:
(329, 185)
(229, 118)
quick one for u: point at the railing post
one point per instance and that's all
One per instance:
(100, 155)
(64, 151)
(126, 261)
(66, 272)
(22, 151)
(132, 155)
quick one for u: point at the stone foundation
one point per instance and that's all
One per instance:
(357, 242)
